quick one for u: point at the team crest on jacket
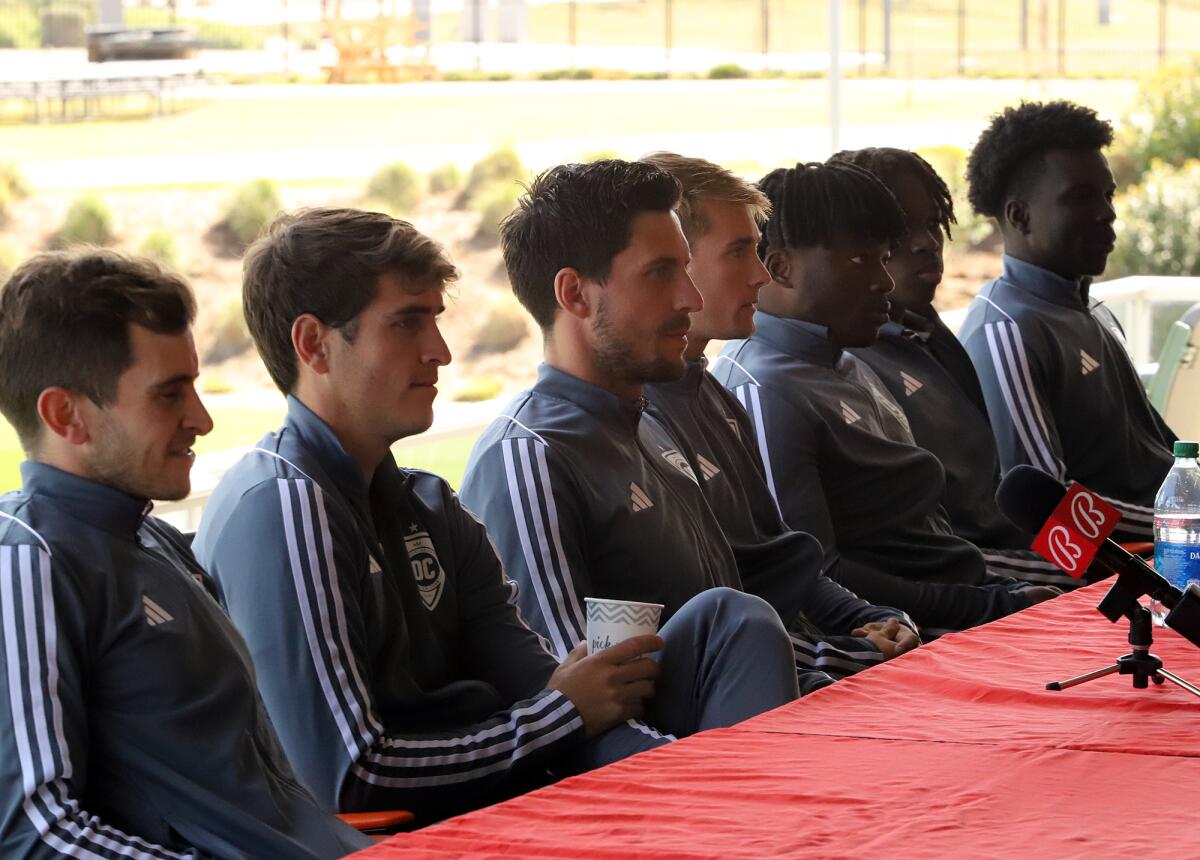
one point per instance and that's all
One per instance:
(426, 568)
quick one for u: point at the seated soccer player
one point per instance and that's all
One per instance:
(583, 491)
(831, 627)
(930, 375)
(390, 654)
(826, 422)
(129, 721)
(1061, 391)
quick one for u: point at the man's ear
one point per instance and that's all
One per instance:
(1016, 216)
(310, 340)
(64, 414)
(571, 293)
(779, 264)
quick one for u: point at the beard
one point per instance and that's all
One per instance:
(616, 358)
(115, 463)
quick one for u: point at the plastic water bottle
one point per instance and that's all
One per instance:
(1177, 523)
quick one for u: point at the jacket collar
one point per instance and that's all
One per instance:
(591, 398)
(804, 340)
(911, 326)
(1046, 284)
(86, 500)
(319, 440)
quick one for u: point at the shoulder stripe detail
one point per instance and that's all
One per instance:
(747, 395)
(284, 459)
(29, 529)
(307, 551)
(983, 298)
(536, 518)
(1020, 396)
(721, 358)
(31, 665)
(509, 418)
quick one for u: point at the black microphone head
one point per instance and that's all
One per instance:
(1027, 496)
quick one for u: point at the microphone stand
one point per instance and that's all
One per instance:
(1139, 662)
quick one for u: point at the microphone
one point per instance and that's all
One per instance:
(1028, 497)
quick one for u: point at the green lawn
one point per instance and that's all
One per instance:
(486, 114)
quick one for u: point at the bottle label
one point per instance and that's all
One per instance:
(1179, 563)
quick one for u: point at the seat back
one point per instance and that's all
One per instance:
(1175, 389)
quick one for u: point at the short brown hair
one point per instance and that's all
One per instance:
(703, 180)
(64, 322)
(327, 262)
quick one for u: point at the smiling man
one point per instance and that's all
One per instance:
(130, 725)
(391, 657)
(837, 449)
(1061, 391)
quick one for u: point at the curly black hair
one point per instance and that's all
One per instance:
(812, 203)
(889, 164)
(1016, 136)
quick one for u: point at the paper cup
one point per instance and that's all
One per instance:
(613, 621)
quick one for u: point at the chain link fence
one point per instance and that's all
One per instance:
(908, 38)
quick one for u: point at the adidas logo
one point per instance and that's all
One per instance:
(707, 469)
(1087, 363)
(911, 384)
(849, 414)
(374, 566)
(155, 614)
(638, 500)
(733, 425)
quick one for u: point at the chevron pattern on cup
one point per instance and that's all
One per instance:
(608, 613)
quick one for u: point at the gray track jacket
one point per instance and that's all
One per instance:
(389, 654)
(784, 567)
(824, 420)
(1062, 393)
(586, 494)
(946, 421)
(130, 726)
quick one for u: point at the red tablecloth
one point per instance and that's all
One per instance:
(955, 750)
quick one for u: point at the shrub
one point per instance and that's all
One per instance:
(230, 336)
(504, 326)
(159, 245)
(397, 186)
(252, 208)
(1159, 229)
(493, 206)
(726, 71)
(445, 178)
(1162, 125)
(13, 181)
(502, 165)
(478, 388)
(567, 75)
(88, 222)
(20, 28)
(950, 162)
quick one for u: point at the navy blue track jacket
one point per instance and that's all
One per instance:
(130, 725)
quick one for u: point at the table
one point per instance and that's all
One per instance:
(954, 750)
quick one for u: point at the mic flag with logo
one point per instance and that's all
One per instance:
(1074, 532)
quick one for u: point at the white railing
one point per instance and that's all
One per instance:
(1131, 299)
